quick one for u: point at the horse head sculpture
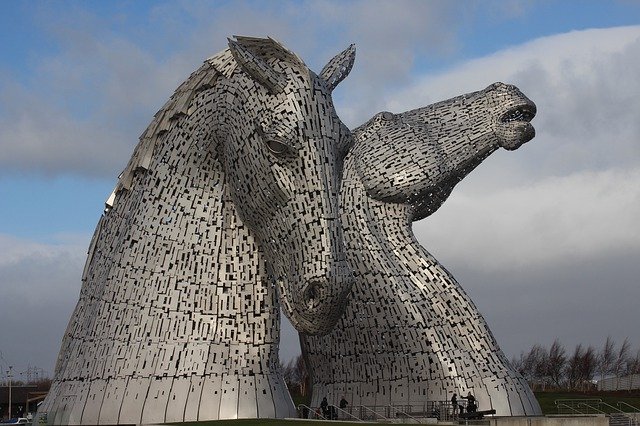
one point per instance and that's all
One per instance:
(283, 152)
(227, 208)
(427, 151)
(410, 335)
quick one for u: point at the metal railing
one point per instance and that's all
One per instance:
(575, 405)
(614, 409)
(442, 410)
(632, 417)
(616, 416)
(400, 413)
(590, 409)
(622, 419)
(560, 405)
(621, 403)
(356, 412)
(313, 412)
(340, 410)
(598, 408)
(374, 410)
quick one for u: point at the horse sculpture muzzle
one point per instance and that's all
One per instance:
(514, 124)
(311, 270)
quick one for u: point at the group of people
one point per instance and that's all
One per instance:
(329, 411)
(472, 406)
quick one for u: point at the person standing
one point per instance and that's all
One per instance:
(471, 403)
(324, 405)
(454, 404)
(343, 405)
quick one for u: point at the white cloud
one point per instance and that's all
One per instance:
(39, 287)
(562, 57)
(389, 37)
(83, 110)
(557, 218)
(87, 101)
(15, 249)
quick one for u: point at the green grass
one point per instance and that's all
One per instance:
(547, 399)
(268, 422)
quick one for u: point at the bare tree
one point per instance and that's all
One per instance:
(606, 358)
(296, 375)
(576, 372)
(557, 363)
(541, 367)
(302, 375)
(587, 369)
(288, 374)
(532, 365)
(633, 365)
(620, 363)
(516, 363)
(573, 367)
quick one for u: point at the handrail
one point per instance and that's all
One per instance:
(572, 403)
(600, 404)
(373, 411)
(345, 412)
(312, 411)
(611, 406)
(591, 407)
(619, 403)
(577, 400)
(568, 406)
(402, 412)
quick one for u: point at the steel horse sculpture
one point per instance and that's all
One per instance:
(410, 334)
(229, 198)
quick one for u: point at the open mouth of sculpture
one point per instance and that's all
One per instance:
(515, 128)
(522, 113)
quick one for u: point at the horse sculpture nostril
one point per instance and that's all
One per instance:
(311, 295)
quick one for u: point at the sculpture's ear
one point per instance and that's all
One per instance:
(339, 67)
(257, 68)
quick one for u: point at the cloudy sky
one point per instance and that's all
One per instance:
(545, 239)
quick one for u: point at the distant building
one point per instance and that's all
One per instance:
(20, 397)
(619, 383)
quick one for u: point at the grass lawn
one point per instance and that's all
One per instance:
(547, 399)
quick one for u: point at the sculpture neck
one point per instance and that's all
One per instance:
(370, 224)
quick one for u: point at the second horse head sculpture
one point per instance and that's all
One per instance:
(410, 334)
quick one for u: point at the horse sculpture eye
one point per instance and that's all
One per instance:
(277, 147)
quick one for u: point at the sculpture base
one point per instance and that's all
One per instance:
(165, 400)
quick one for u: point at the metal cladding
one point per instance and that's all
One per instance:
(410, 334)
(234, 206)
(230, 193)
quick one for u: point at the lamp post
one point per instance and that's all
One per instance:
(9, 376)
